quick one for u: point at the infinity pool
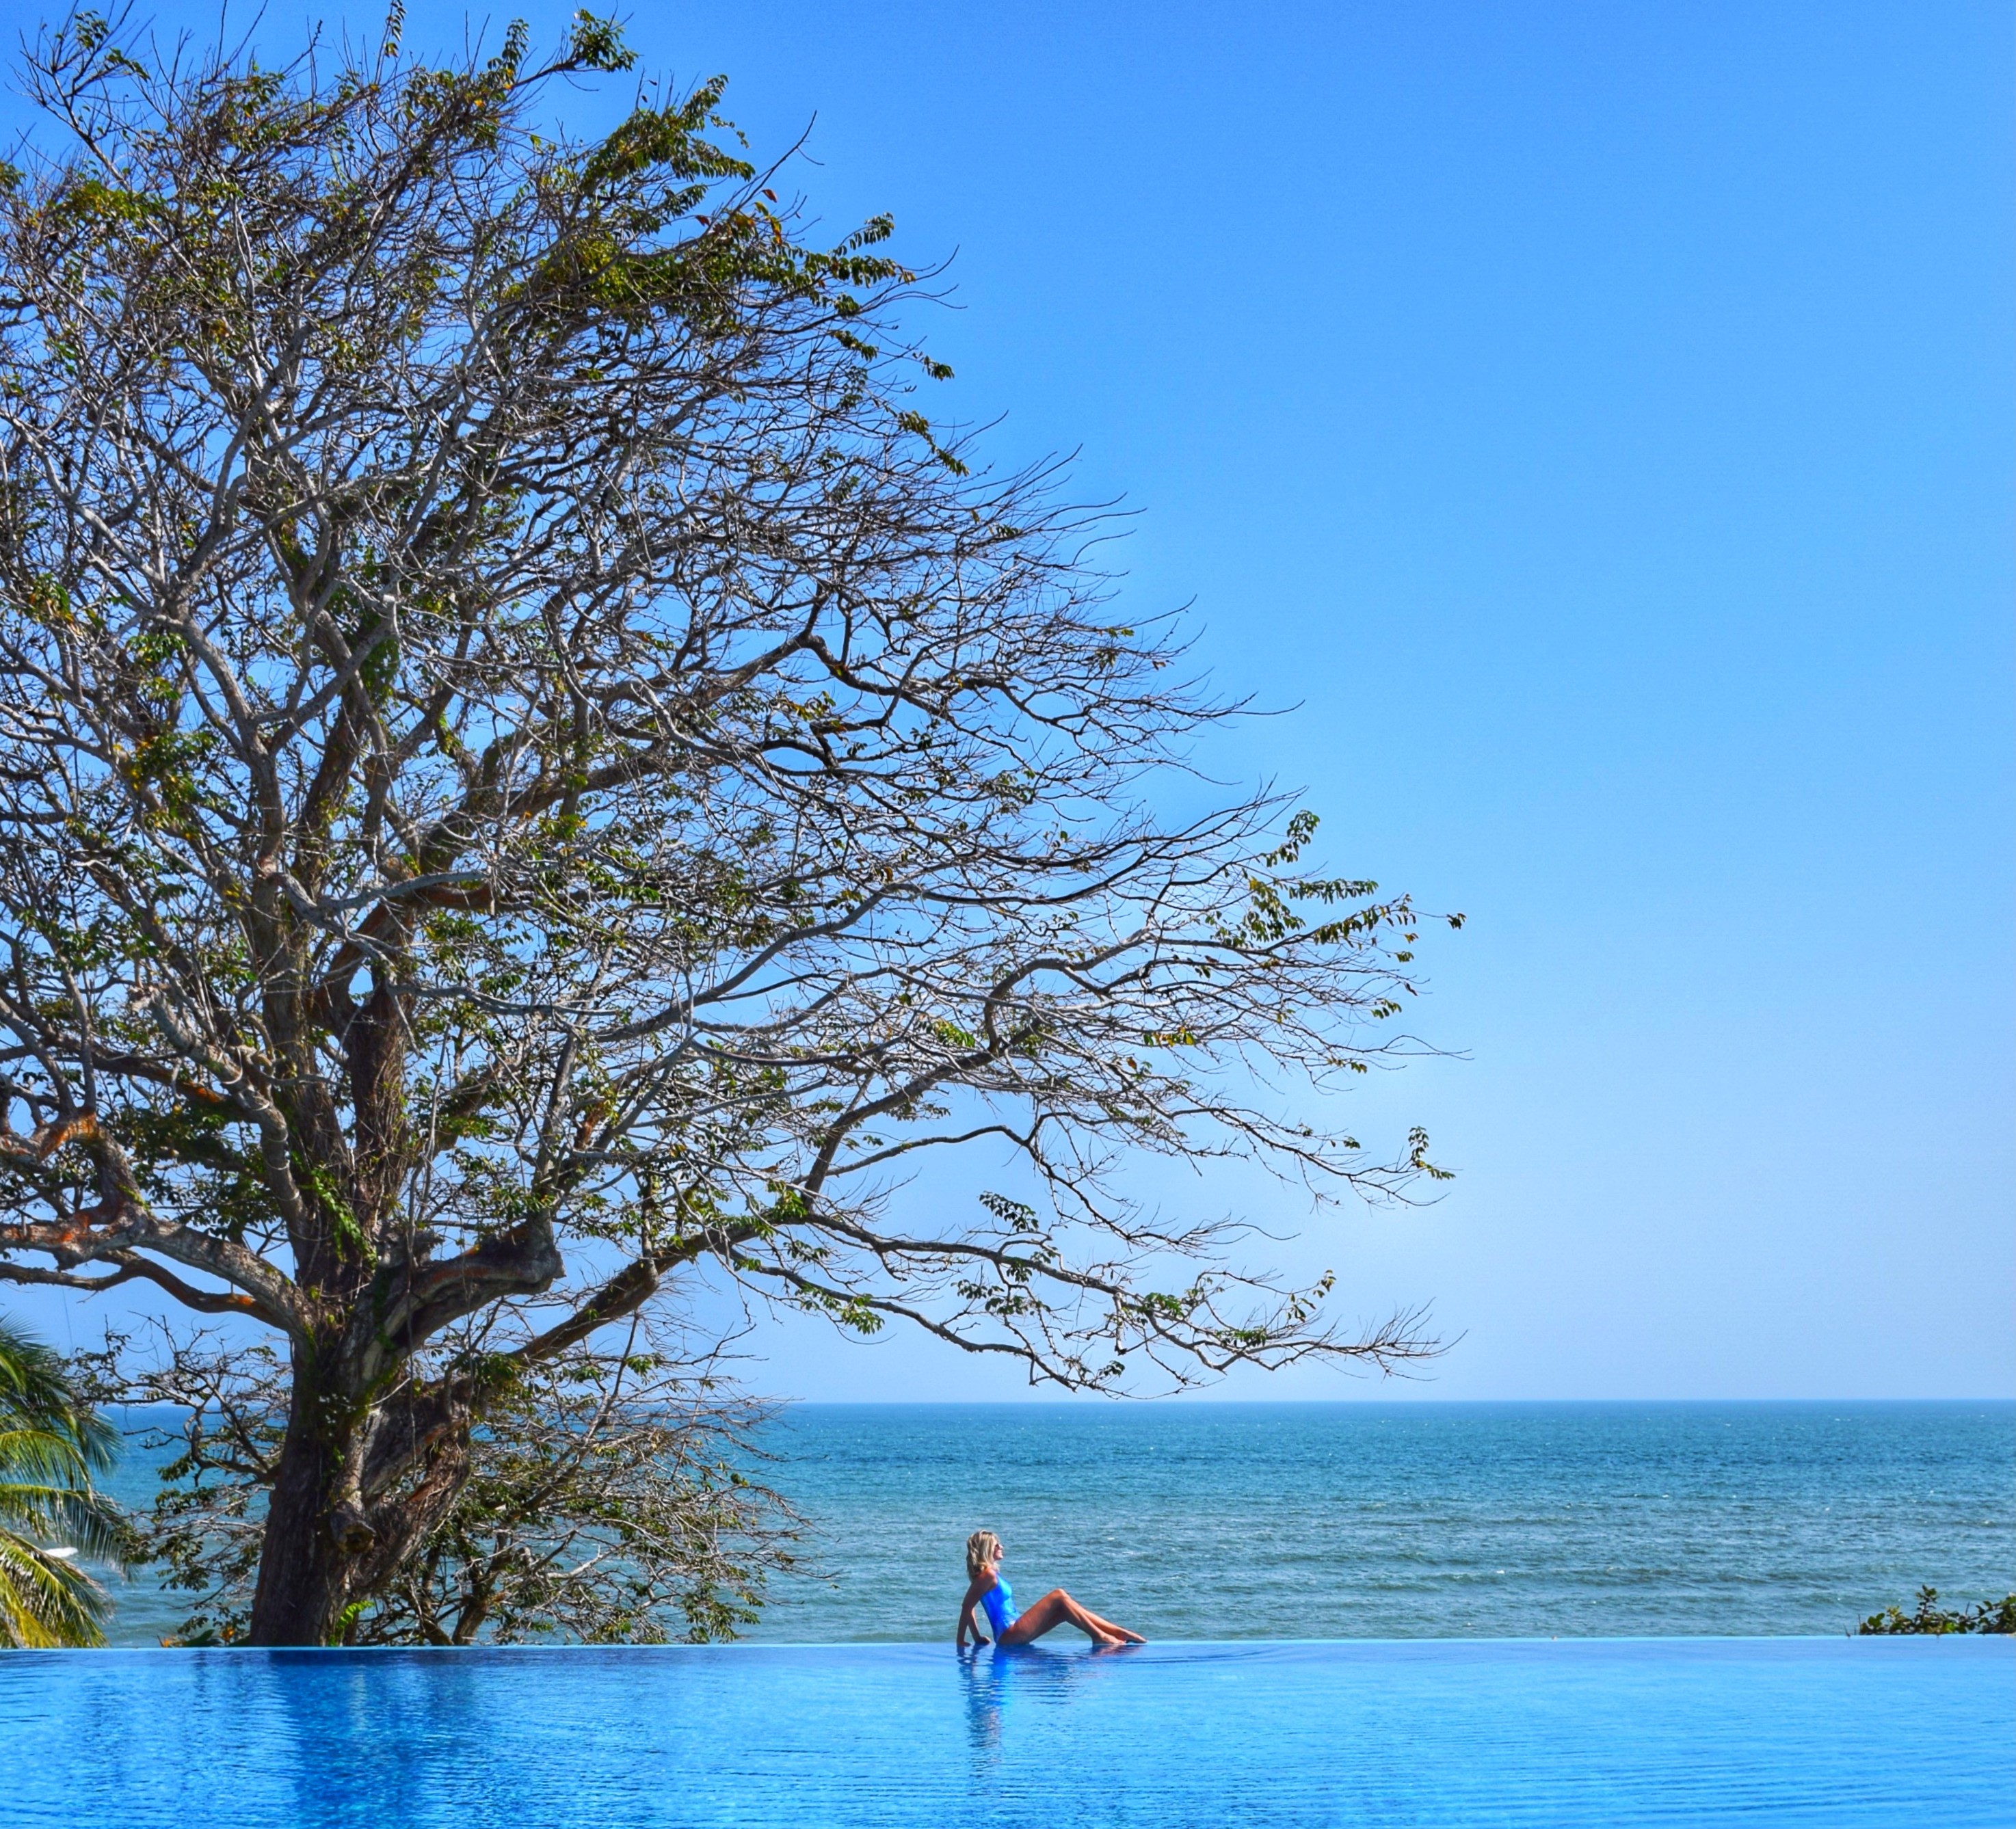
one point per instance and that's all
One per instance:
(1842, 1731)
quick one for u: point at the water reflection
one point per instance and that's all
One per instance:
(1733, 1733)
(1035, 1674)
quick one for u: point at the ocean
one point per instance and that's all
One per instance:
(1366, 1520)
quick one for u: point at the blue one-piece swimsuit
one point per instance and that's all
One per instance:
(998, 1604)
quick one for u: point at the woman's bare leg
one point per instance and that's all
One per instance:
(1057, 1608)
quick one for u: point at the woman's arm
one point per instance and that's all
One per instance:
(974, 1591)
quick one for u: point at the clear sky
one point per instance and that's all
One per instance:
(1595, 418)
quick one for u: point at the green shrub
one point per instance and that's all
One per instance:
(1989, 1616)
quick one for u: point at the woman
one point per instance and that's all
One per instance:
(986, 1589)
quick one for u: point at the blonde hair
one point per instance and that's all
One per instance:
(982, 1548)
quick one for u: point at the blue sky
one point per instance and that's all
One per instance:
(1595, 418)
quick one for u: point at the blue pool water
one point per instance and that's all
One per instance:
(1839, 1732)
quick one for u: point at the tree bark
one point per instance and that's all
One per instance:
(311, 1537)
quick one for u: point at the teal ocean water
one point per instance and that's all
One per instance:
(1367, 1520)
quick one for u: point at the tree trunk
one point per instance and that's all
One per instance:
(356, 1496)
(311, 1539)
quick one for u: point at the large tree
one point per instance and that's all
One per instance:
(530, 770)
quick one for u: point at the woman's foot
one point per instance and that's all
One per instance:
(1119, 1633)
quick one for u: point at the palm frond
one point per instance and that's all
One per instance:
(36, 1393)
(79, 1517)
(45, 1600)
(51, 1442)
